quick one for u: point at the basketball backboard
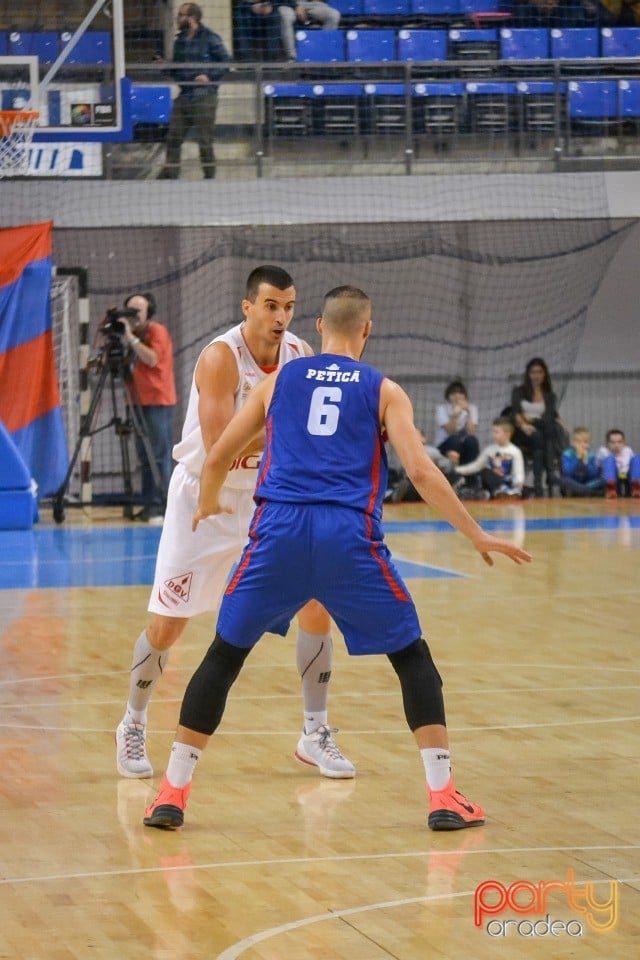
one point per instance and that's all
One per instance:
(74, 78)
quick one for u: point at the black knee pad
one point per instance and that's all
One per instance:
(421, 685)
(206, 695)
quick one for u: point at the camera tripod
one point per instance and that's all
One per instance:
(127, 419)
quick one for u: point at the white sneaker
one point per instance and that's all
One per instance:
(318, 749)
(131, 753)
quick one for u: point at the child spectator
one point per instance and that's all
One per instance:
(581, 476)
(500, 465)
(401, 489)
(620, 466)
(456, 425)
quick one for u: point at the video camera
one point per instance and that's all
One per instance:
(114, 349)
(113, 325)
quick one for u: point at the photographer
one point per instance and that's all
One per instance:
(155, 391)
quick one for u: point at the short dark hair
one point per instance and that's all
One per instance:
(151, 302)
(267, 273)
(344, 306)
(194, 10)
(615, 430)
(504, 422)
(456, 386)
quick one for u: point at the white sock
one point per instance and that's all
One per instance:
(437, 765)
(314, 657)
(314, 720)
(147, 667)
(135, 716)
(182, 763)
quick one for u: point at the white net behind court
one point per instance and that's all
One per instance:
(65, 325)
(470, 277)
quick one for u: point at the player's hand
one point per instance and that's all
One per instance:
(486, 545)
(202, 514)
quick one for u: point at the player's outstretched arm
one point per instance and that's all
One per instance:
(396, 413)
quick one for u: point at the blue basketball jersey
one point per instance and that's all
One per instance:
(323, 439)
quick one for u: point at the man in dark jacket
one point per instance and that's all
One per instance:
(198, 100)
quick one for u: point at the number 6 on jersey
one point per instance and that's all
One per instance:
(323, 415)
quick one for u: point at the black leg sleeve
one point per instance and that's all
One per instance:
(206, 695)
(421, 685)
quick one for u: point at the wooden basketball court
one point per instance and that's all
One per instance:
(542, 687)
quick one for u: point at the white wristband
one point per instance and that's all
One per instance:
(135, 341)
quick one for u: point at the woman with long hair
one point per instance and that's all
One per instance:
(538, 430)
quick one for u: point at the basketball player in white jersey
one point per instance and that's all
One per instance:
(192, 569)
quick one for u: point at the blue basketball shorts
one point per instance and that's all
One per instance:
(332, 554)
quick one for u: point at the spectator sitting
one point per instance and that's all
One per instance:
(403, 490)
(304, 12)
(620, 466)
(539, 432)
(500, 465)
(581, 475)
(456, 425)
(257, 31)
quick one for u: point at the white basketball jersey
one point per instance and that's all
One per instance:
(189, 451)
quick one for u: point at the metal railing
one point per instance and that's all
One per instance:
(406, 117)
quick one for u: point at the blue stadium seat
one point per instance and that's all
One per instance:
(386, 8)
(339, 108)
(150, 103)
(542, 109)
(575, 43)
(288, 108)
(279, 90)
(320, 46)
(304, 108)
(424, 45)
(526, 43)
(4, 44)
(620, 42)
(440, 109)
(14, 98)
(349, 8)
(591, 100)
(491, 106)
(472, 46)
(371, 46)
(93, 47)
(488, 35)
(629, 91)
(386, 110)
(480, 6)
(44, 45)
(435, 7)
(438, 89)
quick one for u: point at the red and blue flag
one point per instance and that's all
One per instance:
(29, 394)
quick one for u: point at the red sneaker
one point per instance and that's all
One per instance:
(611, 490)
(635, 488)
(167, 810)
(450, 810)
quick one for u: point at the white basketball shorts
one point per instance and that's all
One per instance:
(192, 569)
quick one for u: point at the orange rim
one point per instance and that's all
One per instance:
(9, 118)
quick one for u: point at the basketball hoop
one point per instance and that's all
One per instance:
(16, 131)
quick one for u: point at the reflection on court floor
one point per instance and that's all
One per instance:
(125, 555)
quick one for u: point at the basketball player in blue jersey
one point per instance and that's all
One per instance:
(316, 533)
